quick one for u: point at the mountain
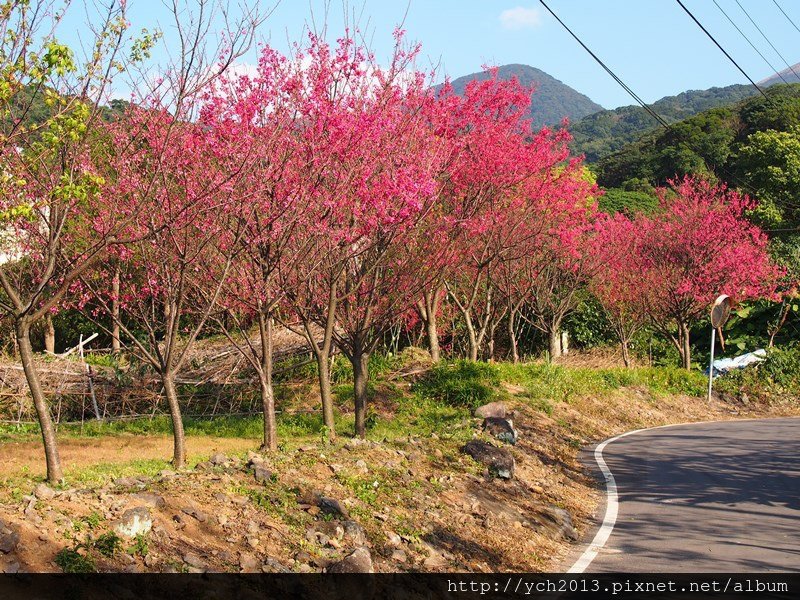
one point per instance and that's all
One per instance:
(552, 100)
(605, 132)
(790, 75)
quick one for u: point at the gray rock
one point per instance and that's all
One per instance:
(500, 462)
(559, 522)
(8, 538)
(399, 555)
(249, 563)
(502, 429)
(262, 474)
(43, 492)
(193, 560)
(127, 482)
(273, 566)
(354, 533)
(493, 409)
(134, 521)
(330, 506)
(358, 561)
(197, 514)
(11, 568)
(327, 506)
(218, 459)
(392, 539)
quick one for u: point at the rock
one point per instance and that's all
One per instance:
(127, 482)
(399, 555)
(222, 519)
(495, 410)
(134, 521)
(358, 561)
(305, 568)
(8, 538)
(361, 465)
(218, 459)
(193, 512)
(327, 506)
(273, 566)
(167, 474)
(43, 492)
(254, 459)
(261, 474)
(11, 568)
(330, 506)
(500, 462)
(149, 560)
(249, 563)
(354, 533)
(392, 539)
(203, 466)
(193, 560)
(149, 499)
(559, 522)
(502, 429)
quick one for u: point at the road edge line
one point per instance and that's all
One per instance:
(612, 508)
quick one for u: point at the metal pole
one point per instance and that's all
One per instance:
(711, 362)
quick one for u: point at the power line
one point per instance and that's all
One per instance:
(725, 52)
(775, 2)
(747, 14)
(652, 113)
(769, 64)
(641, 102)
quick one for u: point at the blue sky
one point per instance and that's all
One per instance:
(651, 44)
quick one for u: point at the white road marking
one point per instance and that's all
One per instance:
(612, 507)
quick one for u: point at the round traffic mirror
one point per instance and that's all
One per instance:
(720, 311)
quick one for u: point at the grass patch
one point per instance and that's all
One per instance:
(460, 383)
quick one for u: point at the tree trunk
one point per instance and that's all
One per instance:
(554, 337)
(431, 300)
(625, 354)
(23, 338)
(178, 437)
(512, 335)
(686, 353)
(115, 289)
(265, 379)
(472, 337)
(325, 393)
(49, 334)
(360, 362)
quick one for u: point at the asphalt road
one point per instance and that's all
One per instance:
(712, 497)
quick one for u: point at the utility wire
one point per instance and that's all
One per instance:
(725, 52)
(747, 14)
(769, 64)
(652, 113)
(641, 102)
(775, 2)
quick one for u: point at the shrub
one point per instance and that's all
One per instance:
(461, 383)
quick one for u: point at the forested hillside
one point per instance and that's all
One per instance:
(599, 134)
(751, 145)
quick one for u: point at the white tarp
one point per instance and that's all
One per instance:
(723, 365)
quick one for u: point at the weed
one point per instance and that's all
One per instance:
(72, 561)
(107, 544)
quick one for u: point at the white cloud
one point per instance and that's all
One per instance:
(520, 18)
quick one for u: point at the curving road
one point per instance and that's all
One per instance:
(710, 497)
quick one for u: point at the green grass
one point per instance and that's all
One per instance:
(72, 561)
